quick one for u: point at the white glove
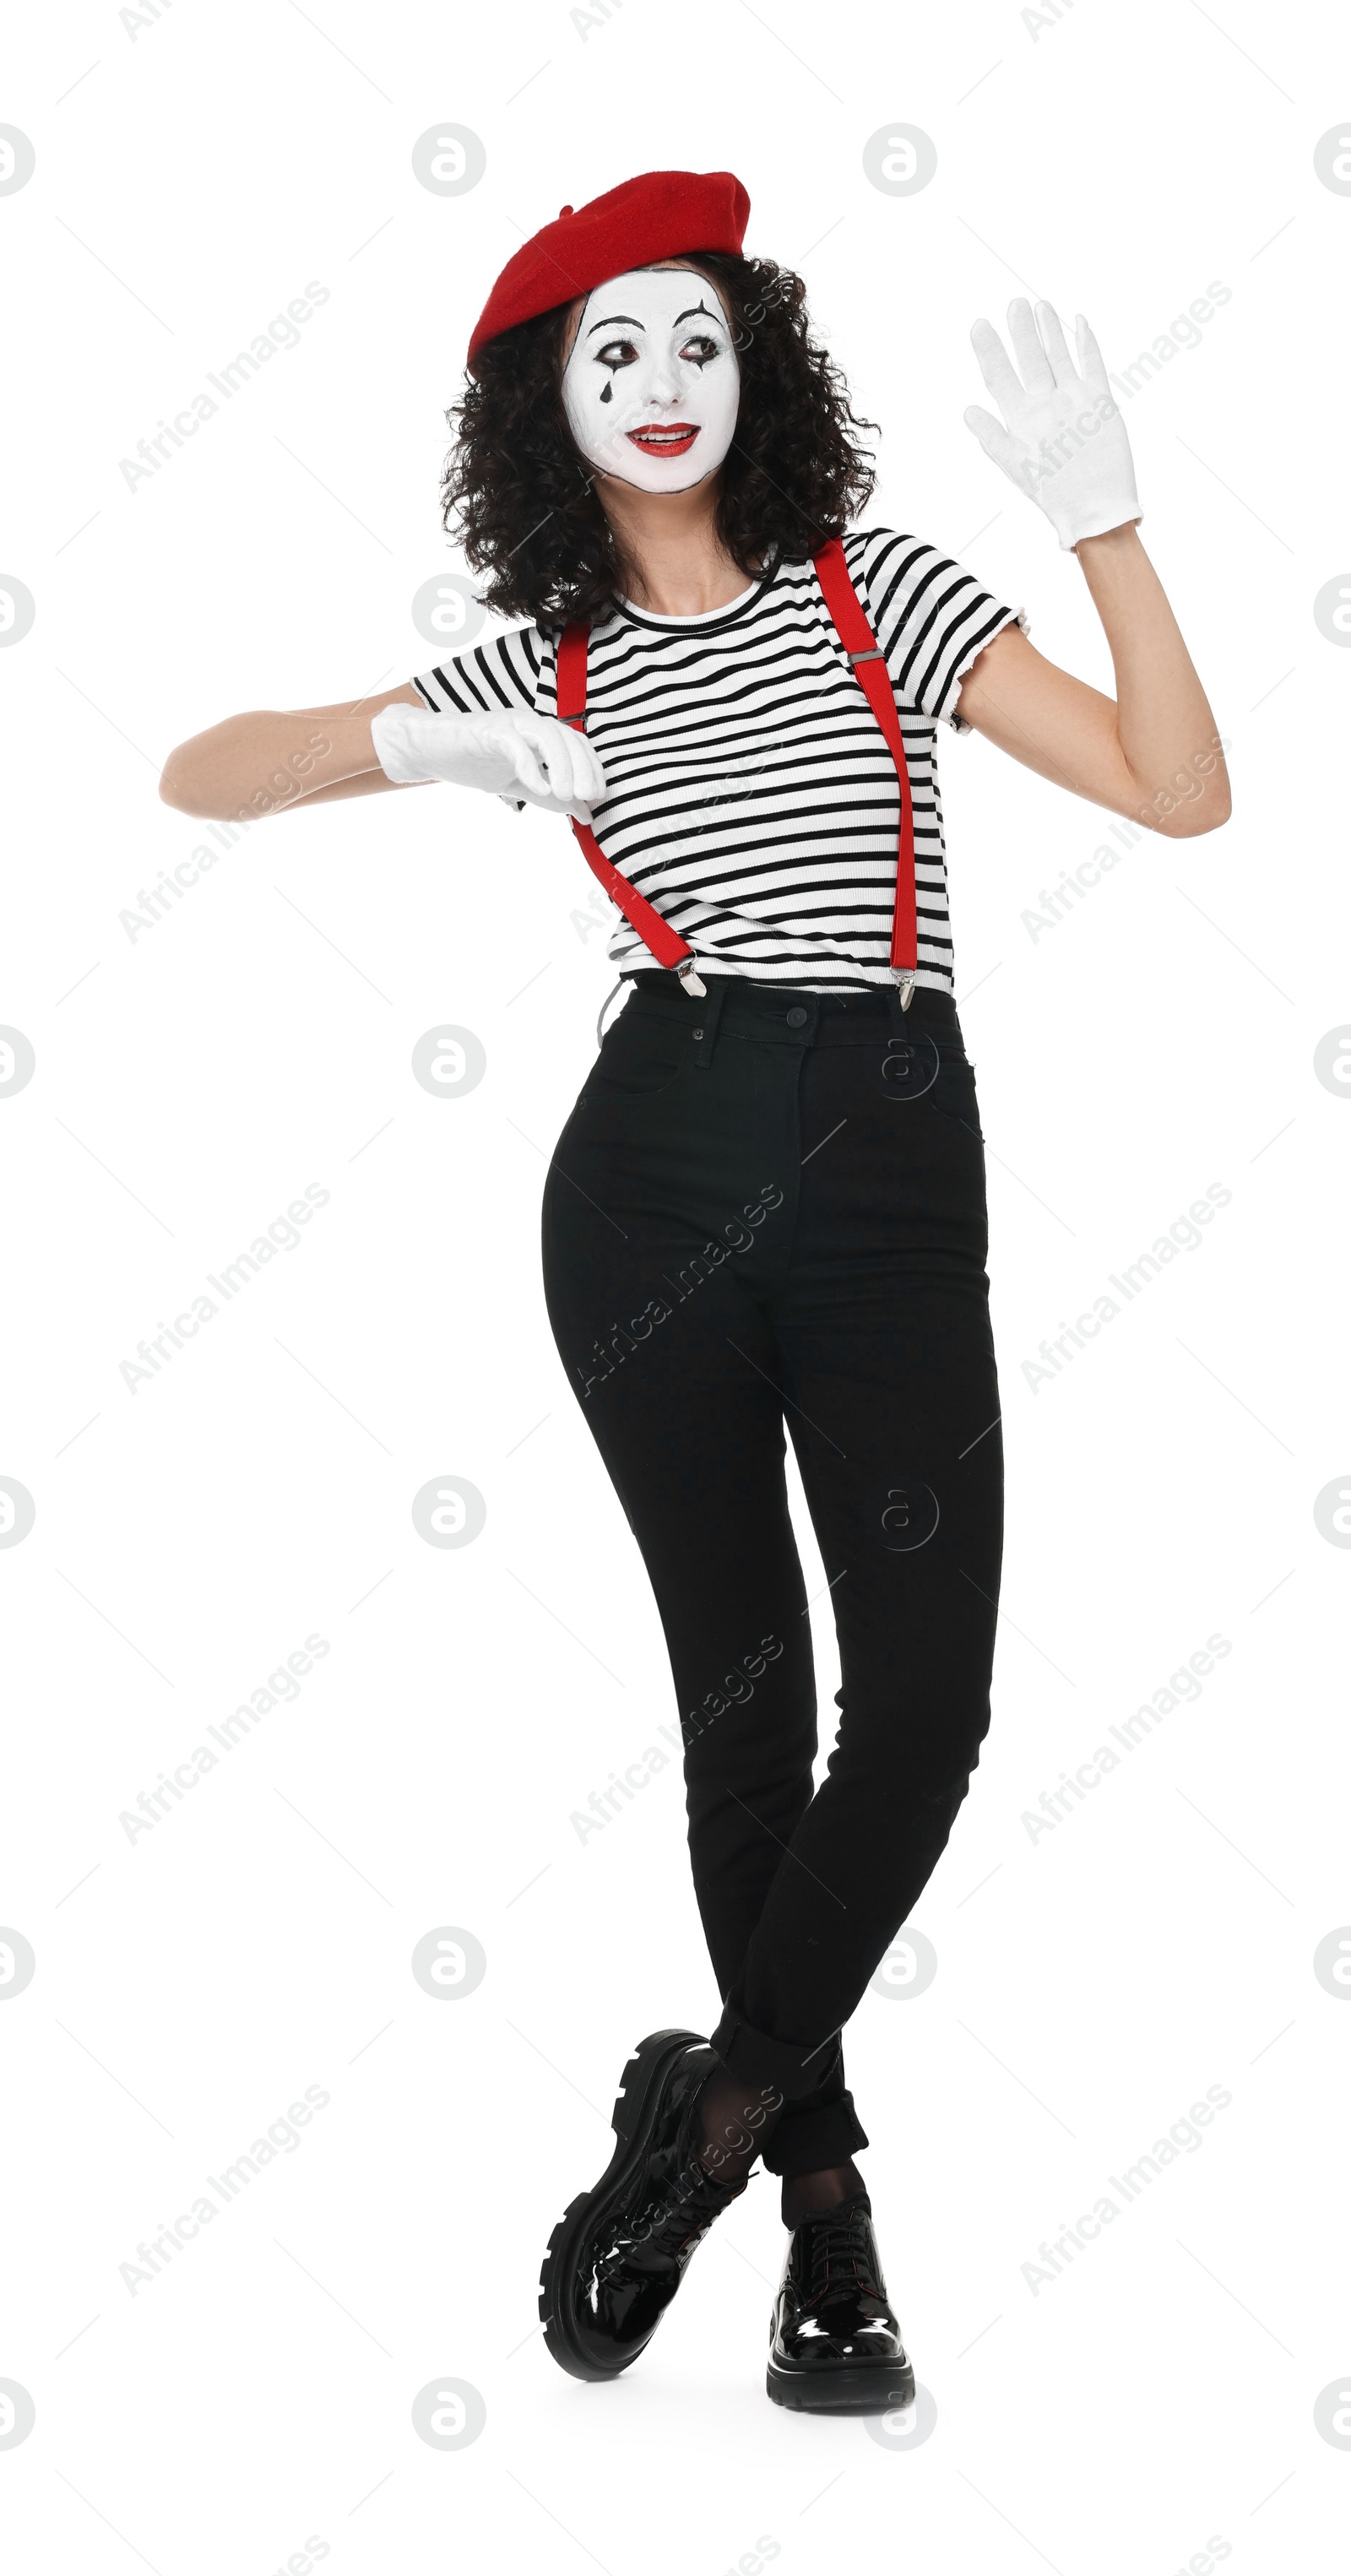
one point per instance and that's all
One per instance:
(1065, 443)
(507, 753)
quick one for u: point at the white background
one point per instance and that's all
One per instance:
(194, 172)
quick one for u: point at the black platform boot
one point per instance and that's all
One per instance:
(619, 2253)
(835, 2346)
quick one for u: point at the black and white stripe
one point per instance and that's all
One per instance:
(751, 795)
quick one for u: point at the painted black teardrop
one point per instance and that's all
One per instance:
(608, 393)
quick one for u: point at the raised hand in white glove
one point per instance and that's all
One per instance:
(1062, 439)
(508, 753)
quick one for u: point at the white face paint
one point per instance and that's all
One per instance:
(651, 386)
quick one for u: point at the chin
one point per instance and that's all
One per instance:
(656, 479)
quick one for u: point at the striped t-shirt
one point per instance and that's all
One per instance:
(750, 793)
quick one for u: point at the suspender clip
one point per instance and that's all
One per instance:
(693, 983)
(905, 979)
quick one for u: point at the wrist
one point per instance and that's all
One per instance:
(394, 741)
(1106, 542)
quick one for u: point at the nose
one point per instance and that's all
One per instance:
(663, 385)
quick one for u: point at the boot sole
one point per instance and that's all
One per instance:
(640, 2088)
(871, 2388)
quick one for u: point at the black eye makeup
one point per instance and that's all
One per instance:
(615, 354)
(707, 338)
(699, 349)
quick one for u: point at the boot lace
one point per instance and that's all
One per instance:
(840, 2256)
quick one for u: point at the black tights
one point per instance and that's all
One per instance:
(735, 2123)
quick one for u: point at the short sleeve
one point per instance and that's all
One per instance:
(504, 672)
(930, 616)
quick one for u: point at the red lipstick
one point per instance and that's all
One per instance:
(664, 438)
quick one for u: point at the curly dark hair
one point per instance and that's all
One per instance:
(519, 497)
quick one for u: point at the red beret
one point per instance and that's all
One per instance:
(658, 216)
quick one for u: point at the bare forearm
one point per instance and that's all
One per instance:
(1164, 721)
(260, 762)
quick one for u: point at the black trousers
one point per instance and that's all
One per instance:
(768, 1208)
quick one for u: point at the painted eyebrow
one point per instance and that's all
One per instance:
(687, 316)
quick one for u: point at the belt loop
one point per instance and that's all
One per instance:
(709, 1014)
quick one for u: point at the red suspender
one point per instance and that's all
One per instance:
(870, 670)
(666, 944)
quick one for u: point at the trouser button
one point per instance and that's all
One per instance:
(797, 1017)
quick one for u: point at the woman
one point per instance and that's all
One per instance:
(767, 1208)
